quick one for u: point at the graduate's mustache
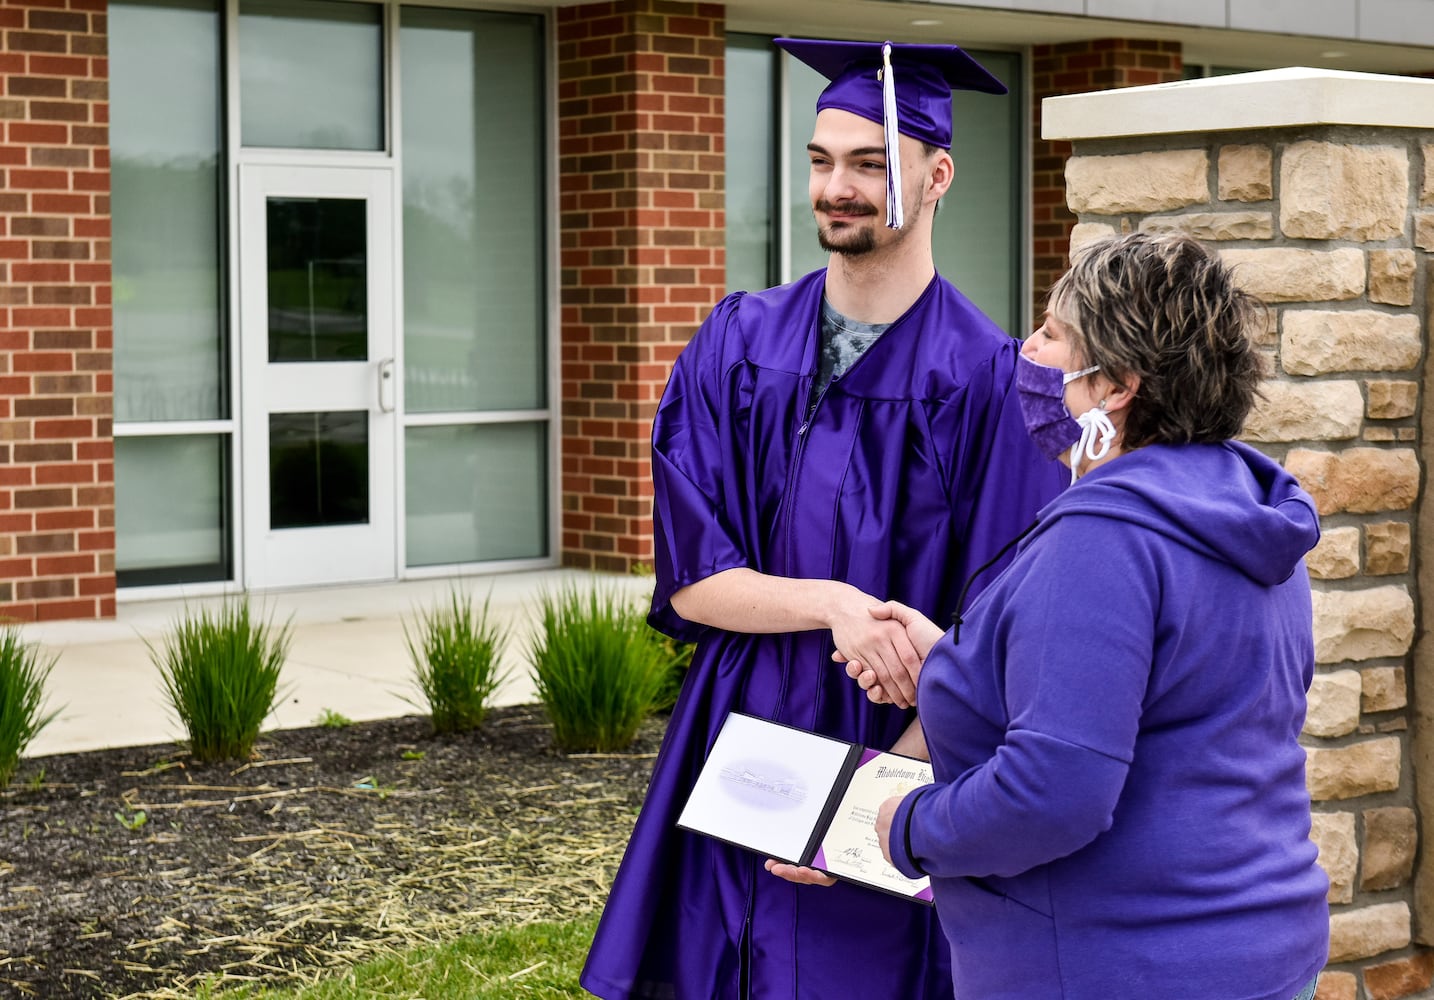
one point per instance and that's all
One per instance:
(846, 207)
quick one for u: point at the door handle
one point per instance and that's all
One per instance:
(387, 387)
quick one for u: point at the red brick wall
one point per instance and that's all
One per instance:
(1077, 68)
(641, 200)
(56, 391)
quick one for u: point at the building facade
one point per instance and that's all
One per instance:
(304, 291)
(307, 292)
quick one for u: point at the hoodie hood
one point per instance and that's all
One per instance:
(1226, 501)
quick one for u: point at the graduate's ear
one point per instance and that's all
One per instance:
(942, 173)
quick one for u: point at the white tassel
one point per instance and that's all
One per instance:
(895, 215)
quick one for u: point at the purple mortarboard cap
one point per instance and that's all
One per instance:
(904, 88)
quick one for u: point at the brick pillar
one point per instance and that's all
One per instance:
(640, 148)
(56, 382)
(1077, 68)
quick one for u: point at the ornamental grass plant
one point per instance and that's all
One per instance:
(220, 672)
(679, 658)
(23, 672)
(597, 670)
(456, 655)
(677, 652)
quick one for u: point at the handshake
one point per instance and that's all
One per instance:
(884, 652)
(883, 644)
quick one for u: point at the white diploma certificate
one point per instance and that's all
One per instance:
(803, 798)
(849, 849)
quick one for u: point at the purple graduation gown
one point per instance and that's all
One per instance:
(914, 469)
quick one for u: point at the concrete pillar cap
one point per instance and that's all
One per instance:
(1276, 98)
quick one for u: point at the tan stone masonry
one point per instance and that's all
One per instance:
(1245, 173)
(1331, 191)
(1140, 182)
(1318, 188)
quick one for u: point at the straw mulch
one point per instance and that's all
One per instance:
(137, 873)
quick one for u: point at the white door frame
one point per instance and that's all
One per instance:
(309, 556)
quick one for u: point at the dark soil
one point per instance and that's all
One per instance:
(136, 872)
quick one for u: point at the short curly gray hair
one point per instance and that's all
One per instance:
(1164, 308)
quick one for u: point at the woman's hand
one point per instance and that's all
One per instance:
(884, 816)
(922, 631)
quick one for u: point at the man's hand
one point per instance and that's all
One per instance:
(921, 632)
(743, 600)
(799, 874)
(881, 645)
(865, 679)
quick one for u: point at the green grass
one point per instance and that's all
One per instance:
(23, 672)
(538, 961)
(597, 671)
(455, 653)
(220, 672)
(330, 719)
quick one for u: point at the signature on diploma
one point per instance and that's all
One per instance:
(852, 859)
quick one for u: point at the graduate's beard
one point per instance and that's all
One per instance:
(854, 241)
(846, 238)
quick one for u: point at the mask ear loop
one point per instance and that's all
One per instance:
(1092, 423)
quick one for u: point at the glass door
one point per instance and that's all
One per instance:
(319, 386)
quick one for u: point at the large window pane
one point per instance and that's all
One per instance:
(804, 86)
(473, 218)
(311, 74)
(751, 152)
(977, 238)
(164, 147)
(170, 501)
(477, 493)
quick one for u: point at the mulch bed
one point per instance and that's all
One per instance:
(137, 873)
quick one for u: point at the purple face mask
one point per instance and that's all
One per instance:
(1042, 393)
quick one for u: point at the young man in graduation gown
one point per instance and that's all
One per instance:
(848, 438)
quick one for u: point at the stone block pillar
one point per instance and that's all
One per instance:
(640, 146)
(1318, 187)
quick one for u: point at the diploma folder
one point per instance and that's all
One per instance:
(803, 798)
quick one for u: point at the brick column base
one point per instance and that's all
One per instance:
(640, 147)
(56, 384)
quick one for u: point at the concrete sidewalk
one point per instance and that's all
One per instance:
(347, 655)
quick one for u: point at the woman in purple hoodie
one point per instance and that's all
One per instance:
(1120, 809)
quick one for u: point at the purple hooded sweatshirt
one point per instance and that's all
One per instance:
(1120, 809)
(913, 469)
